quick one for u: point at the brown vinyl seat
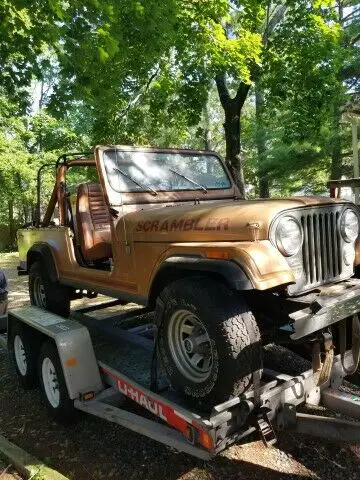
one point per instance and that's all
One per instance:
(93, 222)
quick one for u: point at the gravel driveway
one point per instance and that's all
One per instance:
(95, 449)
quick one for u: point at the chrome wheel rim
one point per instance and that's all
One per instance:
(39, 293)
(51, 382)
(20, 355)
(190, 345)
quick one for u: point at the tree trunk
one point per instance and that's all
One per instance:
(233, 146)
(336, 157)
(261, 143)
(11, 223)
(207, 132)
(232, 126)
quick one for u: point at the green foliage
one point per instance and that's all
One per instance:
(25, 29)
(142, 72)
(302, 85)
(118, 56)
(26, 143)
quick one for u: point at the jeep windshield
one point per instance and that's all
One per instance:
(142, 171)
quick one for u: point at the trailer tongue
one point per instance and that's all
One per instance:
(103, 363)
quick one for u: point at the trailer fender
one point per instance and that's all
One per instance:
(73, 343)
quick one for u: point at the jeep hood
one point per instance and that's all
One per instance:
(212, 221)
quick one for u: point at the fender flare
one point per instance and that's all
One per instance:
(44, 252)
(229, 270)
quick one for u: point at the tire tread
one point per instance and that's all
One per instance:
(239, 357)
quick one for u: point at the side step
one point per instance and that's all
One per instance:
(329, 428)
(342, 402)
(151, 428)
(333, 429)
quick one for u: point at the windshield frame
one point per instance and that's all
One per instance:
(188, 177)
(116, 198)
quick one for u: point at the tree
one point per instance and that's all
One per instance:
(25, 30)
(141, 72)
(346, 73)
(180, 48)
(27, 142)
(118, 55)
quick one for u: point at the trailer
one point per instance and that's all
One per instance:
(103, 362)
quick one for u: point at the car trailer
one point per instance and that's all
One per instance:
(96, 362)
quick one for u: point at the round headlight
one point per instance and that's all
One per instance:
(349, 225)
(289, 236)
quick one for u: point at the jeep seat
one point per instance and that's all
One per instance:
(93, 222)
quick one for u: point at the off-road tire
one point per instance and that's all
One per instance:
(234, 334)
(27, 375)
(57, 296)
(65, 411)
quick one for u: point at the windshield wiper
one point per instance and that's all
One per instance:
(201, 187)
(144, 187)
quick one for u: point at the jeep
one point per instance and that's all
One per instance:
(166, 229)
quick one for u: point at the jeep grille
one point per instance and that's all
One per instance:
(321, 259)
(321, 248)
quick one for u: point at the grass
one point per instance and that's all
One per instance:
(8, 258)
(9, 255)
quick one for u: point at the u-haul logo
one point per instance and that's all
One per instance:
(139, 397)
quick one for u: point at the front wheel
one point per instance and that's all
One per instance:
(44, 293)
(208, 340)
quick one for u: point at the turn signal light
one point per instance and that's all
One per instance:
(87, 396)
(71, 362)
(205, 440)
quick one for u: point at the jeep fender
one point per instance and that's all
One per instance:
(42, 251)
(174, 267)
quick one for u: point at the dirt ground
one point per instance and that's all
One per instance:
(95, 449)
(7, 472)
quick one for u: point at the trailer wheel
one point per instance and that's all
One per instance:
(208, 340)
(44, 293)
(24, 356)
(52, 381)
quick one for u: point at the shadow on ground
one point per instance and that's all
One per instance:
(95, 449)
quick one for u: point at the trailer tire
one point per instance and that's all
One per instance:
(24, 356)
(208, 320)
(44, 293)
(52, 381)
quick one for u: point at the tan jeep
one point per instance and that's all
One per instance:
(166, 229)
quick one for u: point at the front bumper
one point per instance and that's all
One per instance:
(327, 309)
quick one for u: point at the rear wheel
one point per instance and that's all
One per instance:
(44, 293)
(24, 356)
(208, 340)
(53, 385)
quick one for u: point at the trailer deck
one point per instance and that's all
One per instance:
(108, 364)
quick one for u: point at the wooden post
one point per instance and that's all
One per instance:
(355, 142)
